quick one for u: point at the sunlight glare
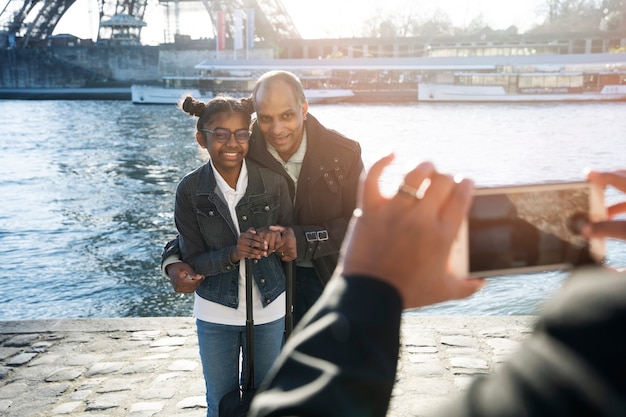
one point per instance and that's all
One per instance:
(327, 19)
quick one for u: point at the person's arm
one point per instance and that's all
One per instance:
(341, 359)
(181, 275)
(572, 365)
(170, 255)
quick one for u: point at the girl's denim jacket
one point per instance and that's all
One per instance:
(207, 232)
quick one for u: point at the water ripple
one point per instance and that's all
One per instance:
(88, 197)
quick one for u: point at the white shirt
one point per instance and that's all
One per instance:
(293, 167)
(209, 311)
(294, 164)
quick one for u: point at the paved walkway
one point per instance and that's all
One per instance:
(141, 367)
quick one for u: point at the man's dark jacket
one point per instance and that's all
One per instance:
(326, 192)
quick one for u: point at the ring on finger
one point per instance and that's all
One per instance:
(410, 191)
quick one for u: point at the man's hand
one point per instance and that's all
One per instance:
(183, 278)
(272, 237)
(287, 248)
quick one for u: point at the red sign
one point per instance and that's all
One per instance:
(221, 31)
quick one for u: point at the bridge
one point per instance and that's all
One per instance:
(28, 22)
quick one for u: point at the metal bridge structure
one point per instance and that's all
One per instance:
(29, 22)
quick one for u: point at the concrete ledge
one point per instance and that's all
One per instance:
(164, 323)
(94, 325)
(151, 366)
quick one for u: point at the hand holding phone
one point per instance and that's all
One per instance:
(529, 228)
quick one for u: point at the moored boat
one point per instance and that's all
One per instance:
(529, 86)
(235, 82)
(151, 94)
(573, 77)
(154, 94)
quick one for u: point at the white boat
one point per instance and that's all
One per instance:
(327, 95)
(532, 86)
(154, 94)
(206, 87)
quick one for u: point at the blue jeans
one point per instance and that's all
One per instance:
(308, 289)
(220, 346)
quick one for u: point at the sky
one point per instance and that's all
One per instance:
(346, 16)
(327, 18)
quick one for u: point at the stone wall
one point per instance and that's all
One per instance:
(103, 65)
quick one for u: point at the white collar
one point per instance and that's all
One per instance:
(297, 157)
(242, 181)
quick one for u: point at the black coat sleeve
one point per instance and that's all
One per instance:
(171, 248)
(341, 360)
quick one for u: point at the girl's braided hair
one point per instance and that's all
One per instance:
(219, 104)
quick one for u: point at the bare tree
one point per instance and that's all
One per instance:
(400, 22)
(613, 15)
(439, 24)
(572, 15)
(477, 25)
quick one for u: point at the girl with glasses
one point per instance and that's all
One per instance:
(223, 213)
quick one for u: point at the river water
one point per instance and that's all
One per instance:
(88, 190)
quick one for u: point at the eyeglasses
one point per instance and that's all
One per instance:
(222, 135)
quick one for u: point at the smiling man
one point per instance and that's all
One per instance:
(322, 168)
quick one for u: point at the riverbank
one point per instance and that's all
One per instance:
(144, 367)
(66, 93)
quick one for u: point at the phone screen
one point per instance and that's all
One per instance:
(530, 228)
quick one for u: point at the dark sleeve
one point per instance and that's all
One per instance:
(572, 365)
(341, 360)
(171, 248)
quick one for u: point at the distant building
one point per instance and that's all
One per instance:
(121, 29)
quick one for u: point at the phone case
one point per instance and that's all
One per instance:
(528, 228)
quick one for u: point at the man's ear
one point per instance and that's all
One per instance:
(305, 109)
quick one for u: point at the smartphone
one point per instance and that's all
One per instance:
(529, 228)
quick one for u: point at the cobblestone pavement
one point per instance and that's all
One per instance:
(142, 367)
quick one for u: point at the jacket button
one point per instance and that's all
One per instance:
(267, 301)
(228, 267)
(244, 217)
(266, 208)
(211, 213)
(256, 261)
(262, 281)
